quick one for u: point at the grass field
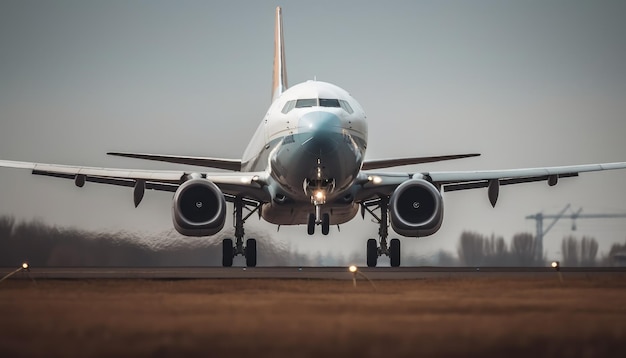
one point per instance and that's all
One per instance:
(484, 317)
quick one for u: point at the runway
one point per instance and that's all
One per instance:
(312, 312)
(330, 273)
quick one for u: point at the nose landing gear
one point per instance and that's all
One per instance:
(318, 219)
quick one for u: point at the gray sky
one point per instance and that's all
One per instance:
(525, 83)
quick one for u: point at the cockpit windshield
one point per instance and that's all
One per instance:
(325, 102)
(316, 102)
(307, 102)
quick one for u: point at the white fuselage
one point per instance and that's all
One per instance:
(311, 142)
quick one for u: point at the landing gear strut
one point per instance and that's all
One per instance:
(373, 249)
(249, 251)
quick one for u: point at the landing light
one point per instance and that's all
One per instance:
(375, 179)
(319, 195)
(25, 266)
(353, 269)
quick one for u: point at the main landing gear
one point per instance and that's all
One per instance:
(229, 251)
(373, 250)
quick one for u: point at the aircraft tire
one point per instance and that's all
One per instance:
(394, 252)
(325, 224)
(227, 252)
(310, 228)
(372, 253)
(251, 253)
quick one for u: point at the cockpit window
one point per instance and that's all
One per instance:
(325, 102)
(307, 102)
(314, 102)
(346, 106)
(288, 106)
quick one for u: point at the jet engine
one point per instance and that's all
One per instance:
(416, 208)
(198, 208)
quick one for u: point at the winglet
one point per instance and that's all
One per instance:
(279, 84)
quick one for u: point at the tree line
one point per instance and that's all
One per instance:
(40, 244)
(475, 249)
(45, 245)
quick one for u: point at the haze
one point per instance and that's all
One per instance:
(527, 84)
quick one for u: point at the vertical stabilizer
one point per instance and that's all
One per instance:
(279, 83)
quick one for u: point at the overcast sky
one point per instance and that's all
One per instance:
(525, 83)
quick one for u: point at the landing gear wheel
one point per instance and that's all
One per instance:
(372, 253)
(325, 224)
(227, 252)
(251, 253)
(310, 228)
(394, 252)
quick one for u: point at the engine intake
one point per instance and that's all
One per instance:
(198, 208)
(416, 208)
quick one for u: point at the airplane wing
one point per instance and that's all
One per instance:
(218, 163)
(460, 180)
(249, 185)
(388, 163)
(384, 183)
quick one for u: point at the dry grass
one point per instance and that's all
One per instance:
(316, 318)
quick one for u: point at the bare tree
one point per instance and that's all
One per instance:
(523, 249)
(500, 247)
(495, 251)
(570, 251)
(581, 253)
(6, 227)
(588, 251)
(6, 233)
(471, 248)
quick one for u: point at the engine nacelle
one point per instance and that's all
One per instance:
(198, 208)
(416, 208)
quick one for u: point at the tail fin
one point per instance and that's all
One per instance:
(280, 71)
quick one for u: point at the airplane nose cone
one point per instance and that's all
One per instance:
(320, 132)
(319, 122)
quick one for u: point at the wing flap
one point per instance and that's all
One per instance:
(485, 183)
(111, 181)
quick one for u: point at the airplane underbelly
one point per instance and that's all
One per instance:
(293, 214)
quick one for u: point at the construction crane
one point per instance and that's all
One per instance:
(541, 232)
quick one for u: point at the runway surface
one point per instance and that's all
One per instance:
(333, 273)
(312, 312)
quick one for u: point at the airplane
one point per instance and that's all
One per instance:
(306, 165)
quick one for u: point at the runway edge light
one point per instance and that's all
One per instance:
(24, 267)
(556, 265)
(355, 270)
